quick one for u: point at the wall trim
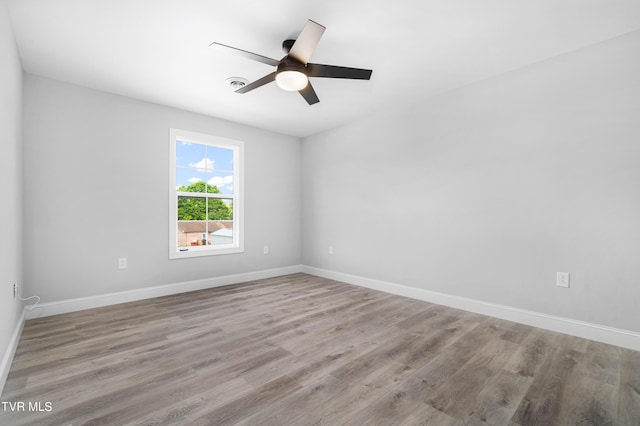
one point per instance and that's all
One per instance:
(82, 303)
(7, 359)
(601, 333)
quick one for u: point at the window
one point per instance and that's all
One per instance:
(205, 195)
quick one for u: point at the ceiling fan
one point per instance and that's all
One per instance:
(293, 71)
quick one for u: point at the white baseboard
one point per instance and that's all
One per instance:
(613, 336)
(72, 305)
(600, 333)
(7, 359)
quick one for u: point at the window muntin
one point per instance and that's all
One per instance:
(205, 195)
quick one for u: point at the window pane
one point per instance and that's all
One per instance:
(220, 209)
(189, 154)
(192, 208)
(222, 159)
(221, 232)
(190, 180)
(191, 233)
(222, 181)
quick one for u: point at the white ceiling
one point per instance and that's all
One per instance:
(157, 50)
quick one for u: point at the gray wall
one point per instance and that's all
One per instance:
(10, 178)
(96, 189)
(487, 191)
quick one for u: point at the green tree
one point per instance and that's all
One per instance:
(194, 208)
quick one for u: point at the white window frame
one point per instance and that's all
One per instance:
(238, 195)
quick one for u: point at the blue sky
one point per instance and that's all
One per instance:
(197, 162)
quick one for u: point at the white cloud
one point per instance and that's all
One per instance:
(194, 180)
(220, 181)
(204, 164)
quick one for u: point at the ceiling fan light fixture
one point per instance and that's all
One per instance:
(291, 80)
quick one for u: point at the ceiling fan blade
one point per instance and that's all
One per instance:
(332, 71)
(309, 94)
(307, 41)
(245, 54)
(260, 82)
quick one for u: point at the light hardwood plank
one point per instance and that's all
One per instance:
(629, 390)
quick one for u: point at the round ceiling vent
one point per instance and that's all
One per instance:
(237, 82)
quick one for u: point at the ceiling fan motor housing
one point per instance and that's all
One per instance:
(289, 64)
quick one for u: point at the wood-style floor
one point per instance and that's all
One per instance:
(302, 350)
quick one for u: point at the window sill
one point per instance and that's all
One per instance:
(200, 252)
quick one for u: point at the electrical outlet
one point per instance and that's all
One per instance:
(122, 263)
(562, 279)
(265, 249)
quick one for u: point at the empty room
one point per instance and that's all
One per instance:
(441, 227)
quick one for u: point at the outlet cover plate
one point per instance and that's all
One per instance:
(562, 279)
